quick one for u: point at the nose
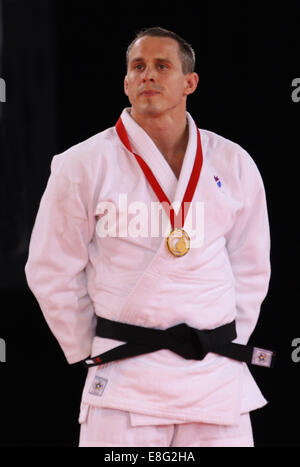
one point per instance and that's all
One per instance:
(149, 75)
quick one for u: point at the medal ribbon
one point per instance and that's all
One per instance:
(191, 187)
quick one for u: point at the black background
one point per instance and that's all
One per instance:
(64, 63)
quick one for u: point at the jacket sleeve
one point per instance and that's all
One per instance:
(248, 245)
(58, 255)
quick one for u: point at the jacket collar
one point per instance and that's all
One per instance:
(144, 146)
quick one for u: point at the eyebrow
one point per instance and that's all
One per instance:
(141, 59)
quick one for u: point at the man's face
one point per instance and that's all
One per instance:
(155, 83)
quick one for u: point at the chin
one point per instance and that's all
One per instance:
(151, 110)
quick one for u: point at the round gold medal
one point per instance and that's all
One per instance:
(178, 242)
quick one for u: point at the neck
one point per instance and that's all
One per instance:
(169, 134)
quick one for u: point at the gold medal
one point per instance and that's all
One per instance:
(178, 242)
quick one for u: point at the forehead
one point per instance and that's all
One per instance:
(147, 47)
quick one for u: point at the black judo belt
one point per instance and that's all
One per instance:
(189, 343)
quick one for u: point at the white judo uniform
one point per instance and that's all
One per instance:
(77, 273)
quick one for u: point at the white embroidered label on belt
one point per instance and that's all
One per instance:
(261, 357)
(98, 386)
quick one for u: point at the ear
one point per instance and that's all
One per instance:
(191, 83)
(126, 85)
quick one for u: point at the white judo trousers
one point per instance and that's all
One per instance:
(101, 426)
(128, 275)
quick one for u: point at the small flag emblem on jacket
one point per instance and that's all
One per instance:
(218, 181)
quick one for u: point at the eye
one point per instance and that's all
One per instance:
(161, 66)
(138, 67)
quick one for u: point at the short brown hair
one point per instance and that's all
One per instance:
(186, 53)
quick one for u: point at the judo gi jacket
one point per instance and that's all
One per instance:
(97, 250)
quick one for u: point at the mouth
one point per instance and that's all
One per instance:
(149, 93)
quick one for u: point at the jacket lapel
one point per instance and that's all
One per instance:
(143, 145)
(188, 163)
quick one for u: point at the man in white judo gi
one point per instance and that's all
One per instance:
(157, 224)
